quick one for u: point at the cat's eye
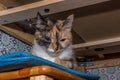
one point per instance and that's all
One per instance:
(62, 40)
(47, 39)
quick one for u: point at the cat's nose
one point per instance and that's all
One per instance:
(51, 50)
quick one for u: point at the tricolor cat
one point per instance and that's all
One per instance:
(53, 39)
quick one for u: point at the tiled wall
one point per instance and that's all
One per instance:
(107, 73)
(9, 43)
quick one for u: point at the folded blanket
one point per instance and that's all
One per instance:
(18, 60)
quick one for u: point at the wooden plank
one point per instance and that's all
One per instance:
(30, 10)
(25, 11)
(100, 55)
(28, 38)
(38, 70)
(14, 3)
(98, 44)
(105, 63)
(2, 7)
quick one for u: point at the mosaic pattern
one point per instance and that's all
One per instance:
(107, 73)
(9, 43)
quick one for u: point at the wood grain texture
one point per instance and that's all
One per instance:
(25, 11)
(39, 70)
(105, 63)
(14, 3)
(2, 7)
(28, 38)
(30, 10)
(99, 43)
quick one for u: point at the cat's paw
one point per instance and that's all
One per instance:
(64, 63)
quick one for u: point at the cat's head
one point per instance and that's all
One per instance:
(54, 37)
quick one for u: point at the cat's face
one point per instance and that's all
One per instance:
(53, 37)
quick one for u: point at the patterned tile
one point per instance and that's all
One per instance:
(107, 73)
(9, 43)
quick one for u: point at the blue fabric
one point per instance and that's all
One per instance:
(18, 60)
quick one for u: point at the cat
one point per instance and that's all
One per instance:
(53, 39)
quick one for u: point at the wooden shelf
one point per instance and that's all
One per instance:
(39, 70)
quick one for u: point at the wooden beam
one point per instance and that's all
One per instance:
(76, 37)
(25, 11)
(107, 56)
(98, 44)
(15, 3)
(105, 63)
(2, 7)
(28, 38)
(39, 70)
(100, 55)
(54, 6)
(9, 2)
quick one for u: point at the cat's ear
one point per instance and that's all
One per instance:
(68, 22)
(40, 18)
(40, 24)
(49, 22)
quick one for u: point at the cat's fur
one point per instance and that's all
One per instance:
(53, 40)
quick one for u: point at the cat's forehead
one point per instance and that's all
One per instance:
(58, 25)
(56, 32)
(59, 22)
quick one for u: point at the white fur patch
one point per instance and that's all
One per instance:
(40, 52)
(51, 50)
